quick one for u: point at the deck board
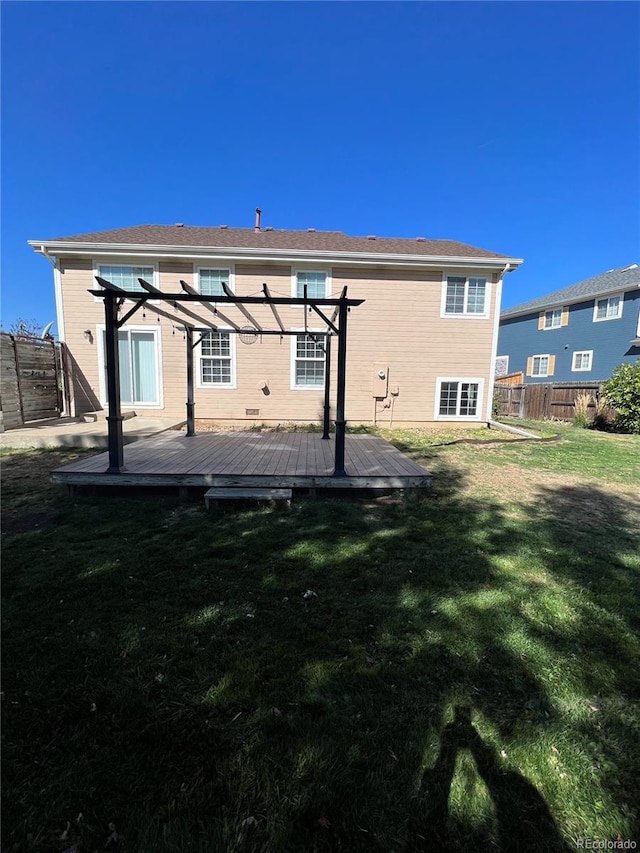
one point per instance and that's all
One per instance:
(277, 459)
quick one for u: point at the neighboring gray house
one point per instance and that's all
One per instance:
(581, 332)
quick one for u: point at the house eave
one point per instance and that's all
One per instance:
(559, 303)
(68, 249)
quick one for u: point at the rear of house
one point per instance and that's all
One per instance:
(421, 348)
(579, 333)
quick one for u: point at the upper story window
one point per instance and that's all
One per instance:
(609, 308)
(317, 282)
(554, 318)
(210, 281)
(126, 277)
(465, 296)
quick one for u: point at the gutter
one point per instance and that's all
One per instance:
(286, 255)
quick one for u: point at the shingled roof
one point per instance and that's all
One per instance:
(187, 236)
(624, 278)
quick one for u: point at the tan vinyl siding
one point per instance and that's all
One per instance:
(399, 327)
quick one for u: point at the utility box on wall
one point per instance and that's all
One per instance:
(380, 381)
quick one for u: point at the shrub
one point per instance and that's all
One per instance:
(581, 406)
(602, 414)
(622, 392)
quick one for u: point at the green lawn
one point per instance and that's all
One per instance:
(466, 676)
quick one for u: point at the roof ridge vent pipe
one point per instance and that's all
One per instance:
(258, 215)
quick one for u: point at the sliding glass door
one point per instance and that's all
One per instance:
(138, 351)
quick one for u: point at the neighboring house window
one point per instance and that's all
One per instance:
(138, 361)
(308, 362)
(210, 281)
(317, 283)
(554, 318)
(458, 398)
(541, 365)
(216, 359)
(465, 296)
(582, 360)
(126, 277)
(607, 309)
(502, 365)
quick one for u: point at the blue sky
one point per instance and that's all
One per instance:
(510, 126)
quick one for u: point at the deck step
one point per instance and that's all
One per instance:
(218, 493)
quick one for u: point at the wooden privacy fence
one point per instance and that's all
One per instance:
(543, 400)
(32, 385)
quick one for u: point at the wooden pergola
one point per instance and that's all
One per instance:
(195, 323)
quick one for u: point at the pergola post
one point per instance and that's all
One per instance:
(114, 418)
(190, 402)
(341, 424)
(327, 387)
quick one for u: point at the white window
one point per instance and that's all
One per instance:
(217, 360)
(458, 399)
(210, 281)
(553, 319)
(126, 277)
(139, 361)
(502, 365)
(307, 362)
(582, 360)
(609, 308)
(465, 296)
(540, 365)
(317, 282)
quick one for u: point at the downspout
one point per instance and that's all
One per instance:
(57, 289)
(67, 389)
(494, 345)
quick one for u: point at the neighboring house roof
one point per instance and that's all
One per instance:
(271, 241)
(613, 281)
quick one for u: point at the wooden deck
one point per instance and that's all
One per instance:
(260, 459)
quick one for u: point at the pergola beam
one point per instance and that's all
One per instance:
(274, 310)
(217, 313)
(229, 294)
(236, 300)
(158, 293)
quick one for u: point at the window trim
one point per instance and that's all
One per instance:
(217, 386)
(293, 359)
(102, 387)
(232, 275)
(124, 262)
(597, 299)
(506, 373)
(552, 311)
(328, 283)
(575, 369)
(479, 381)
(466, 274)
(546, 355)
